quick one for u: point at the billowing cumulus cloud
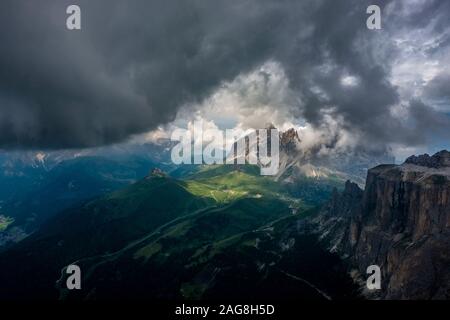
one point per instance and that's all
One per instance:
(137, 65)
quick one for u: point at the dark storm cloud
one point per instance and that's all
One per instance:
(129, 68)
(438, 90)
(134, 64)
(339, 46)
(424, 116)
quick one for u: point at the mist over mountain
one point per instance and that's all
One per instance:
(36, 185)
(319, 161)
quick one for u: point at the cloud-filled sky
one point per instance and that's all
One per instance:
(141, 65)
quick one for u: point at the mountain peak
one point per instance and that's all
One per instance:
(156, 172)
(289, 140)
(438, 160)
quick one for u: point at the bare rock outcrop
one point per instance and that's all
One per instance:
(400, 222)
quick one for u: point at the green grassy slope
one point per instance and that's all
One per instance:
(154, 238)
(5, 222)
(245, 202)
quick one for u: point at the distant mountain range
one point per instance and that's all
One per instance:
(34, 186)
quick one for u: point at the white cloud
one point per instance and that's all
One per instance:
(349, 81)
(251, 100)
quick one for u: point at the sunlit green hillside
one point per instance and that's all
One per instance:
(179, 228)
(5, 222)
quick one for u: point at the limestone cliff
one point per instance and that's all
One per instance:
(400, 222)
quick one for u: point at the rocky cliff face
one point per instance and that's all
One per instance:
(400, 222)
